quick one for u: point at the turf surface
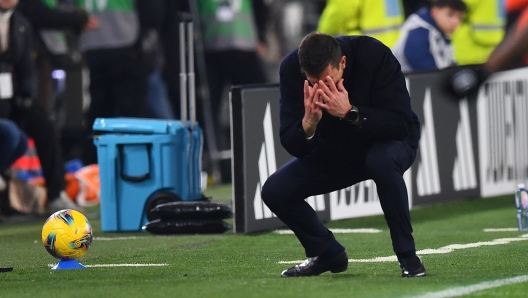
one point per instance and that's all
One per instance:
(230, 265)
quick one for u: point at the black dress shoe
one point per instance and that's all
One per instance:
(413, 268)
(315, 266)
(6, 269)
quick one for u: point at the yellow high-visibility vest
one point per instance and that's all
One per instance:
(380, 19)
(480, 33)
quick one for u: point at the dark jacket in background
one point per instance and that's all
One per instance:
(18, 60)
(65, 18)
(27, 113)
(44, 17)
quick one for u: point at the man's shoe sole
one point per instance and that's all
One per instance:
(416, 275)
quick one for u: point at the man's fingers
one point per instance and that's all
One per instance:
(324, 98)
(331, 84)
(313, 91)
(324, 87)
(340, 86)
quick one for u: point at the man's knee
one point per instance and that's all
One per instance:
(379, 163)
(267, 193)
(271, 192)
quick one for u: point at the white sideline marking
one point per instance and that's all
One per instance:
(502, 230)
(127, 265)
(430, 251)
(120, 265)
(460, 291)
(336, 231)
(117, 238)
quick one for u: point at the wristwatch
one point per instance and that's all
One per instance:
(352, 116)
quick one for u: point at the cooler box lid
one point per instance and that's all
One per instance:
(136, 125)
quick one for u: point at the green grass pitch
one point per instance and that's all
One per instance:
(230, 265)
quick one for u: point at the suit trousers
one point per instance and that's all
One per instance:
(285, 192)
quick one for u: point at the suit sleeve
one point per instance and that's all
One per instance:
(292, 135)
(389, 114)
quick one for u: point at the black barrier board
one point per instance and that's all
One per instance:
(446, 166)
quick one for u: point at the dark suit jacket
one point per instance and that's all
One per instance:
(375, 85)
(18, 57)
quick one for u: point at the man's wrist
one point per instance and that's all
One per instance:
(309, 130)
(346, 112)
(352, 116)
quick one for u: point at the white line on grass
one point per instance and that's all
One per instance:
(460, 291)
(127, 265)
(117, 238)
(430, 251)
(121, 265)
(502, 230)
(336, 231)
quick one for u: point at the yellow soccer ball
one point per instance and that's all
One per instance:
(67, 234)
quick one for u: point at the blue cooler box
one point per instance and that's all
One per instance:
(139, 158)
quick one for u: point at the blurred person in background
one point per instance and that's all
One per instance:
(17, 101)
(380, 19)
(57, 25)
(514, 8)
(234, 40)
(114, 55)
(511, 52)
(480, 33)
(151, 19)
(412, 6)
(13, 144)
(424, 42)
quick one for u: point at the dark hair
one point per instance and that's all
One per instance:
(317, 51)
(457, 5)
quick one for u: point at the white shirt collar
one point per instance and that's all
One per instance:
(6, 15)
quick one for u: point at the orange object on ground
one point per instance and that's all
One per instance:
(89, 185)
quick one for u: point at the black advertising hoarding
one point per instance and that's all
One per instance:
(257, 153)
(445, 168)
(470, 148)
